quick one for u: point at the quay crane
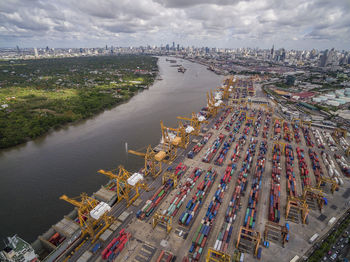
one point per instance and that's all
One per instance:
(213, 105)
(195, 122)
(126, 183)
(169, 146)
(182, 136)
(90, 216)
(152, 165)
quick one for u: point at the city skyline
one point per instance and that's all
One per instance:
(225, 24)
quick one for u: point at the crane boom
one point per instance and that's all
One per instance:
(71, 201)
(137, 153)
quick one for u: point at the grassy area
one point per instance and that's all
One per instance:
(39, 95)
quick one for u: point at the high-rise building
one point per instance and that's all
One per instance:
(273, 51)
(36, 51)
(173, 45)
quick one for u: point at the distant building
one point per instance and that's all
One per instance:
(290, 80)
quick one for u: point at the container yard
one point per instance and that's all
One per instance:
(239, 189)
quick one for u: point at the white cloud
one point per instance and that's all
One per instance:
(222, 23)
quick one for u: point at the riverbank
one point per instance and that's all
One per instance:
(63, 91)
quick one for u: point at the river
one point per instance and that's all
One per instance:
(34, 175)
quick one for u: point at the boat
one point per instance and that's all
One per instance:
(18, 250)
(181, 69)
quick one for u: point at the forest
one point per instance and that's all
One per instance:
(37, 96)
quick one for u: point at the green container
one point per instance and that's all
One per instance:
(184, 218)
(201, 239)
(161, 193)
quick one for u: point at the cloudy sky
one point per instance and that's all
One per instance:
(293, 24)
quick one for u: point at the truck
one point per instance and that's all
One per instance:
(295, 259)
(313, 238)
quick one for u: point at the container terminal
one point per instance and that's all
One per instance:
(233, 182)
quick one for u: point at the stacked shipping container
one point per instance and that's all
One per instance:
(195, 203)
(152, 204)
(304, 172)
(182, 193)
(198, 147)
(208, 156)
(275, 191)
(291, 185)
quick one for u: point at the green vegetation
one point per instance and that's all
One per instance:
(282, 85)
(38, 95)
(329, 242)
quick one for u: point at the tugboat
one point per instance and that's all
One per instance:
(181, 69)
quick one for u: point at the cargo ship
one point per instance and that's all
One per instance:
(18, 250)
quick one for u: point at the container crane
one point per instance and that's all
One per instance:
(152, 165)
(168, 154)
(300, 205)
(249, 235)
(313, 193)
(159, 218)
(195, 122)
(339, 132)
(281, 144)
(212, 110)
(90, 216)
(331, 181)
(126, 183)
(275, 229)
(182, 137)
(217, 256)
(169, 175)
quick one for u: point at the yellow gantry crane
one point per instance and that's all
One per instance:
(339, 132)
(249, 235)
(90, 223)
(313, 193)
(159, 218)
(275, 228)
(300, 205)
(126, 183)
(282, 144)
(212, 109)
(331, 181)
(308, 123)
(169, 175)
(195, 122)
(217, 256)
(168, 154)
(181, 137)
(250, 118)
(152, 165)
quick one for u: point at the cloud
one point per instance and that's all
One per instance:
(221, 23)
